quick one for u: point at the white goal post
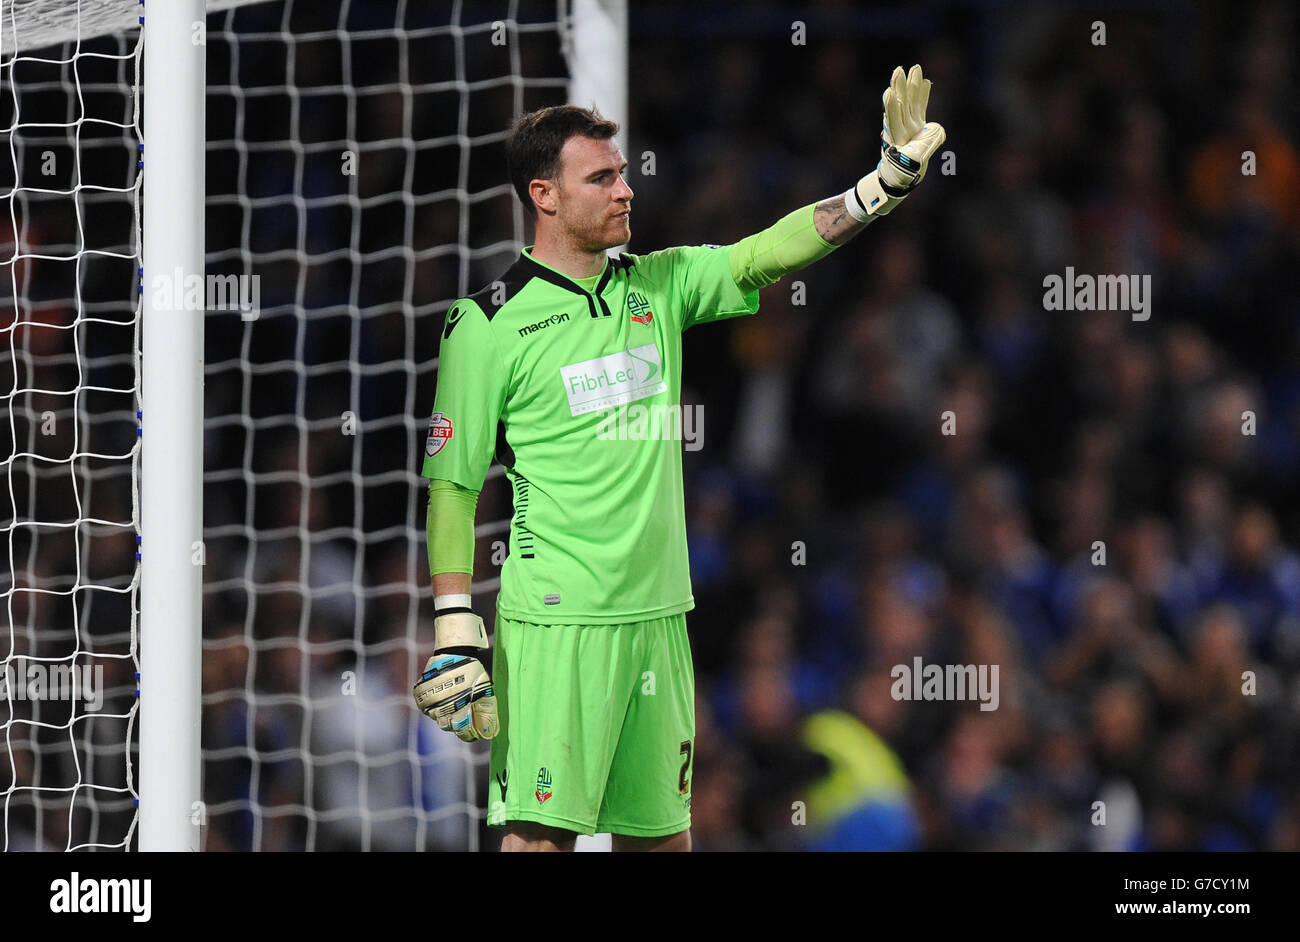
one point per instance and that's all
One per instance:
(171, 481)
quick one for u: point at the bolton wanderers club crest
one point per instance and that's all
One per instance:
(639, 308)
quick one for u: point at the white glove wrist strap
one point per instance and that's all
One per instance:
(868, 199)
(459, 630)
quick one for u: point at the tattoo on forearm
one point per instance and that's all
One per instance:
(833, 222)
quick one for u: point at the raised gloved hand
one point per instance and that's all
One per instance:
(907, 142)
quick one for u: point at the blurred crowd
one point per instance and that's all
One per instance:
(1110, 520)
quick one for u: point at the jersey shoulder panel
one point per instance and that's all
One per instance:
(457, 323)
(498, 300)
(661, 265)
(495, 295)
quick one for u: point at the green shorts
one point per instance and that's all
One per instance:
(597, 726)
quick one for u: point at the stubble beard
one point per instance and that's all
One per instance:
(598, 239)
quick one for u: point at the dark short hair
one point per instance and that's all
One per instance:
(536, 138)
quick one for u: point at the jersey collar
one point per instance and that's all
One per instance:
(530, 266)
(558, 278)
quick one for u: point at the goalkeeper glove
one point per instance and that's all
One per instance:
(903, 103)
(907, 143)
(455, 688)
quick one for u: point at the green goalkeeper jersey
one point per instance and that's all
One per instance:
(577, 393)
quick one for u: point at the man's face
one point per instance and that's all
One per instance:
(592, 200)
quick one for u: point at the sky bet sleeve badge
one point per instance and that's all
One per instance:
(439, 434)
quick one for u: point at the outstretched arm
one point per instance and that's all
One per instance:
(812, 232)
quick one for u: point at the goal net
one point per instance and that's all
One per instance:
(355, 187)
(354, 166)
(69, 326)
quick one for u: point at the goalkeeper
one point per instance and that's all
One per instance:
(588, 692)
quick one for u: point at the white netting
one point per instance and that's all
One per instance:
(32, 24)
(69, 254)
(354, 165)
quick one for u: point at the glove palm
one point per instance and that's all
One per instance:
(907, 142)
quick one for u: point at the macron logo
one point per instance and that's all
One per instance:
(76, 895)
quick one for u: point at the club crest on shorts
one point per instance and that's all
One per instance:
(543, 785)
(439, 434)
